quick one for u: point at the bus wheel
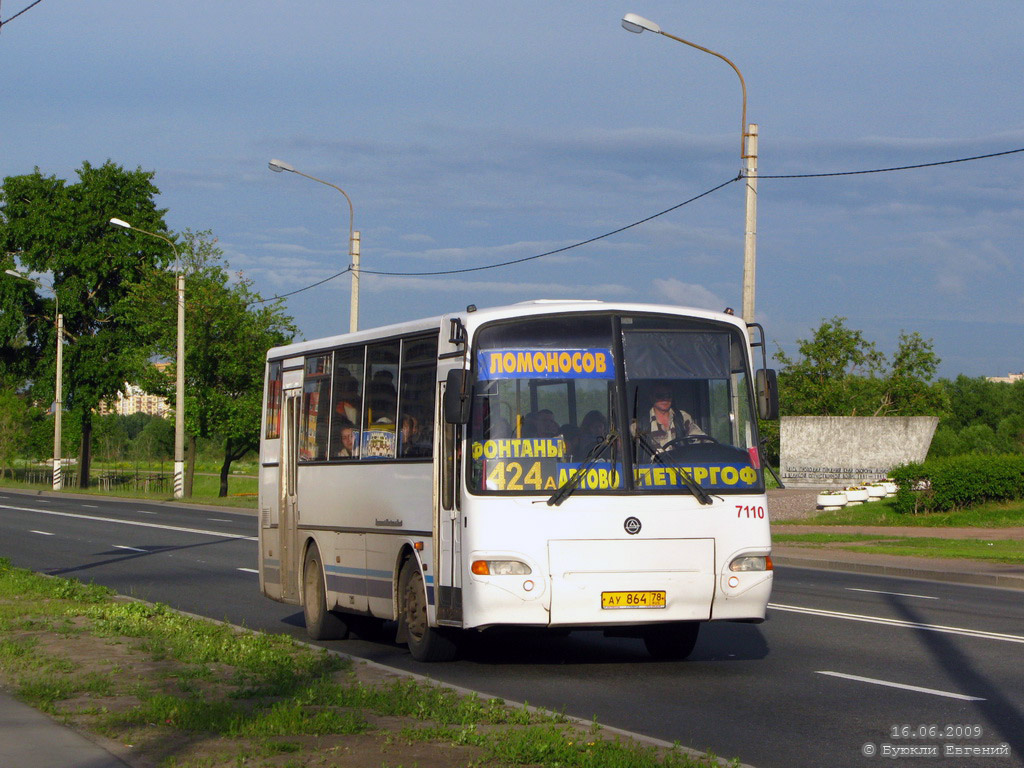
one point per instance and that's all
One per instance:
(426, 643)
(321, 624)
(671, 641)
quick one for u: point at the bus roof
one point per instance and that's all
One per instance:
(472, 318)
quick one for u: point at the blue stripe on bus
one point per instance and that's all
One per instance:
(369, 583)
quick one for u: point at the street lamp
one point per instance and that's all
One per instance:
(631, 22)
(58, 399)
(179, 410)
(280, 166)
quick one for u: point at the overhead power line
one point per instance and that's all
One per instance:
(556, 250)
(28, 7)
(889, 170)
(644, 220)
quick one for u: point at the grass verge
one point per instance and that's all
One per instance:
(992, 515)
(241, 492)
(1000, 551)
(173, 691)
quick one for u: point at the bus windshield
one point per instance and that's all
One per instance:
(644, 403)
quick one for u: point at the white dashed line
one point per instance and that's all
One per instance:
(897, 594)
(888, 684)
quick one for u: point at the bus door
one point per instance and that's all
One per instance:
(447, 519)
(287, 528)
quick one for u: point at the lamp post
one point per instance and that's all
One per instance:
(280, 166)
(58, 395)
(631, 22)
(179, 410)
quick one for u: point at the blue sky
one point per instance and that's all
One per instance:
(469, 133)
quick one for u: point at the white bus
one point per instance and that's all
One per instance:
(554, 464)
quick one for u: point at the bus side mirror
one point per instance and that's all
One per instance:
(766, 384)
(456, 397)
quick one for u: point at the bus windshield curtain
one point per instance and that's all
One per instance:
(675, 355)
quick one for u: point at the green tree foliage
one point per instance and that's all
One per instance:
(228, 330)
(841, 373)
(24, 322)
(62, 229)
(984, 417)
(14, 422)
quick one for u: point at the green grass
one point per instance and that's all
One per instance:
(991, 515)
(245, 695)
(205, 489)
(999, 550)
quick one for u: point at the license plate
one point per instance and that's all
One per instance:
(650, 599)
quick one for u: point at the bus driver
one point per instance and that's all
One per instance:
(667, 423)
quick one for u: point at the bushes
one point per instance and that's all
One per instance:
(956, 482)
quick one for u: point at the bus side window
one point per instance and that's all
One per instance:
(273, 402)
(316, 408)
(347, 403)
(416, 400)
(379, 438)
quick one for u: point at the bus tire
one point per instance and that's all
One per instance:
(426, 643)
(321, 624)
(671, 642)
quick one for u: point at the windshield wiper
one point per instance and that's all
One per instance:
(571, 483)
(660, 456)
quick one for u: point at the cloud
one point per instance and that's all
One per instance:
(686, 294)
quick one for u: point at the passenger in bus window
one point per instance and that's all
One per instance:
(541, 424)
(346, 449)
(666, 423)
(346, 396)
(411, 442)
(593, 428)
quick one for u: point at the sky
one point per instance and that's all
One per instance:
(470, 133)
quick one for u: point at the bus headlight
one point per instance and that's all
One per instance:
(751, 563)
(500, 568)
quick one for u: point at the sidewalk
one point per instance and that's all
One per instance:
(30, 739)
(794, 504)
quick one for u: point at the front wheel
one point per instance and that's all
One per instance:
(321, 624)
(426, 643)
(671, 642)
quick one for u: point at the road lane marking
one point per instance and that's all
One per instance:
(91, 506)
(900, 623)
(248, 570)
(145, 512)
(43, 533)
(897, 594)
(180, 529)
(218, 520)
(133, 549)
(902, 686)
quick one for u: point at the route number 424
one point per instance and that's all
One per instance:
(749, 511)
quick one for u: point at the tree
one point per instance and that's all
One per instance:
(841, 373)
(908, 390)
(228, 330)
(13, 427)
(834, 374)
(24, 319)
(63, 229)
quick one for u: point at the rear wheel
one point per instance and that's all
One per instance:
(321, 624)
(671, 641)
(426, 643)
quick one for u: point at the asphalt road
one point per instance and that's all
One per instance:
(846, 664)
